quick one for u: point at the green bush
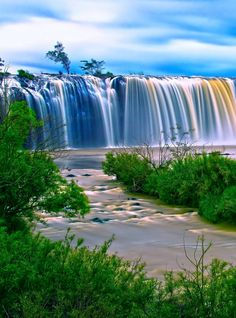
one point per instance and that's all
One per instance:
(227, 205)
(193, 180)
(150, 186)
(206, 292)
(187, 181)
(25, 74)
(69, 199)
(208, 207)
(40, 278)
(220, 208)
(128, 168)
(29, 179)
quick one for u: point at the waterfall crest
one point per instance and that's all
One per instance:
(130, 110)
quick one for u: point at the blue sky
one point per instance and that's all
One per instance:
(159, 37)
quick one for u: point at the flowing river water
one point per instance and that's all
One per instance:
(144, 228)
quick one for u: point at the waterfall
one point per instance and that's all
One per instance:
(130, 110)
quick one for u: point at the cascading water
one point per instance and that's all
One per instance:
(126, 111)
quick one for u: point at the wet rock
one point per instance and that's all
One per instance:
(136, 204)
(86, 175)
(73, 221)
(102, 189)
(137, 208)
(133, 216)
(70, 176)
(132, 199)
(118, 209)
(99, 220)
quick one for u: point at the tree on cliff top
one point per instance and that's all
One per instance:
(95, 68)
(59, 56)
(2, 62)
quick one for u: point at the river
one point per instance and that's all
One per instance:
(158, 234)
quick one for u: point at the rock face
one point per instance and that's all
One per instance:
(142, 228)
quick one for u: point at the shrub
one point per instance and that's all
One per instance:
(30, 179)
(227, 205)
(187, 181)
(208, 207)
(206, 292)
(150, 186)
(40, 278)
(128, 168)
(220, 208)
(69, 199)
(25, 74)
(193, 180)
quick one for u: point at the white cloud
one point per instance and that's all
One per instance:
(136, 32)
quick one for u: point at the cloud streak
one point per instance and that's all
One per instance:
(154, 36)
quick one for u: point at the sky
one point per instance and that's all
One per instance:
(156, 37)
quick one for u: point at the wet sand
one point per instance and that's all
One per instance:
(143, 229)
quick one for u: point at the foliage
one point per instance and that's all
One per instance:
(25, 74)
(150, 186)
(179, 177)
(128, 168)
(220, 208)
(69, 199)
(95, 68)
(40, 278)
(2, 63)
(205, 292)
(108, 74)
(187, 181)
(227, 205)
(29, 179)
(208, 207)
(4, 100)
(59, 56)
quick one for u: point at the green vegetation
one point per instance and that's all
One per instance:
(25, 74)
(58, 55)
(40, 278)
(95, 68)
(128, 168)
(2, 63)
(29, 180)
(218, 208)
(3, 69)
(187, 181)
(205, 181)
(92, 67)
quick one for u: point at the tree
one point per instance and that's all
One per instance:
(93, 67)
(59, 56)
(4, 98)
(25, 74)
(2, 63)
(30, 181)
